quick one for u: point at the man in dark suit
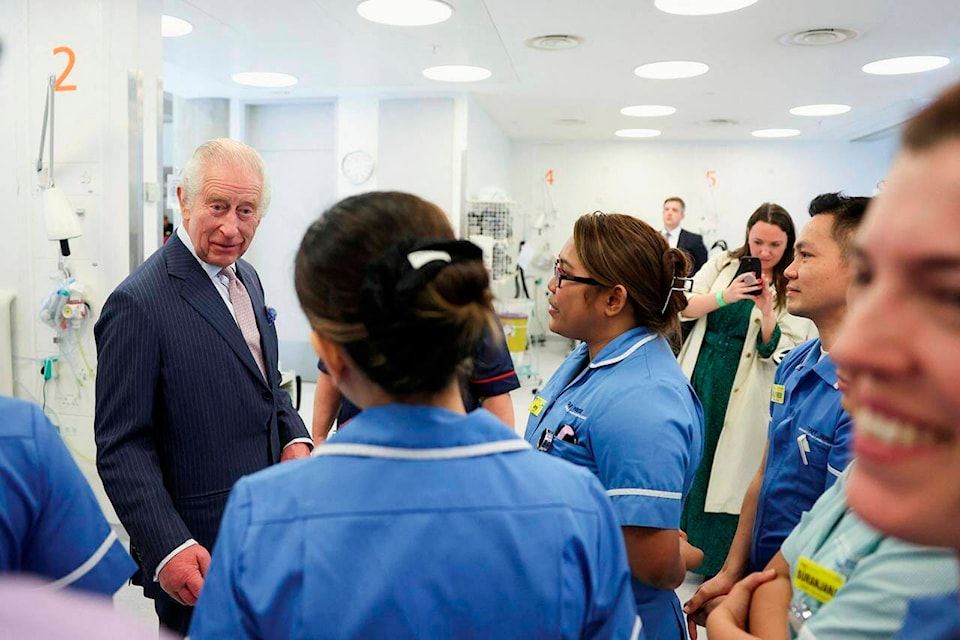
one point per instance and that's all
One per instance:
(188, 389)
(673, 211)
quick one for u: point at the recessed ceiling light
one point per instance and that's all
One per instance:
(648, 111)
(173, 27)
(671, 70)
(907, 64)
(820, 110)
(775, 133)
(266, 79)
(405, 13)
(701, 7)
(457, 73)
(638, 133)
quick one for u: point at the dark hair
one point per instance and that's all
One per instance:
(409, 328)
(683, 205)
(620, 249)
(847, 212)
(937, 123)
(772, 214)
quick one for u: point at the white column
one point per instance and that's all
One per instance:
(358, 129)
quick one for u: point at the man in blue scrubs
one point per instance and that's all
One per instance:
(807, 442)
(50, 522)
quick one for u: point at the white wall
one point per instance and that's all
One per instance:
(488, 155)
(297, 144)
(93, 168)
(415, 149)
(635, 178)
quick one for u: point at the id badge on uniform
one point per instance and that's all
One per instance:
(777, 393)
(816, 580)
(537, 406)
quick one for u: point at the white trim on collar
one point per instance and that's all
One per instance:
(625, 354)
(404, 453)
(649, 493)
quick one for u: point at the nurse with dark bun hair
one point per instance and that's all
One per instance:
(419, 520)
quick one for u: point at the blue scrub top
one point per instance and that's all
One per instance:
(50, 522)
(417, 522)
(934, 618)
(492, 374)
(639, 429)
(808, 447)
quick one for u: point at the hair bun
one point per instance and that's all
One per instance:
(395, 277)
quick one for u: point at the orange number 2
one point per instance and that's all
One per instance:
(71, 58)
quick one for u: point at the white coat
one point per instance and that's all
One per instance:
(744, 433)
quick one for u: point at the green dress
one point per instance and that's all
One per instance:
(712, 379)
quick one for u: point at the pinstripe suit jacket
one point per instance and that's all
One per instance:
(182, 409)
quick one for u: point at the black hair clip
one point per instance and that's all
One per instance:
(395, 277)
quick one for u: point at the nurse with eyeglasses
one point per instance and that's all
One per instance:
(619, 405)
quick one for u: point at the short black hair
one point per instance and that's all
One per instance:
(847, 212)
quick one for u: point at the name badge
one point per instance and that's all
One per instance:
(817, 581)
(777, 393)
(537, 406)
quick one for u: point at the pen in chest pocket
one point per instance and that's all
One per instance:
(804, 447)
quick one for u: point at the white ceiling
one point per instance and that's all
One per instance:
(753, 78)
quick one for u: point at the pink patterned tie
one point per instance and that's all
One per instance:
(243, 309)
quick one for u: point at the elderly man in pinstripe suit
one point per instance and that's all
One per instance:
(188, 390)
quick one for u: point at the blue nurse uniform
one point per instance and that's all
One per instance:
(807, 450)
(933, 618)
(638, 426)
(50, 522)
(417, 522)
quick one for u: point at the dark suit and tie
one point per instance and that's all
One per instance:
(674, 210)
(183, 406)
(693, 244)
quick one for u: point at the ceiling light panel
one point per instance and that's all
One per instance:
(671, 70)
(405, 13)
(638, 133)
(648, 111)
(265, 79)
(173, 27)
(457, 73)
(904, 65)
(701, 7)
(820, 110)
(775, 133)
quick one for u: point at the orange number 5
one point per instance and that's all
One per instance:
(71, 58)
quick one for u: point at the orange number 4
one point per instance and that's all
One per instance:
(71, 58)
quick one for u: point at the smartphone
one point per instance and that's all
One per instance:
(750, 264)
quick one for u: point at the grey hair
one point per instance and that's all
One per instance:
(224, 151)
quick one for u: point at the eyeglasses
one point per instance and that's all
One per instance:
(561, 276)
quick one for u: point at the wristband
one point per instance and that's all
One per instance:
(720, 300)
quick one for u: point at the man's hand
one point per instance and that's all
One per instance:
(708, 596)
(295, 451)
(729, 620)
(182, 577)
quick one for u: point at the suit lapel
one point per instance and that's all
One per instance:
(200, 293)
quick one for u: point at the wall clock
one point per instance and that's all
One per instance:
(357, 166)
